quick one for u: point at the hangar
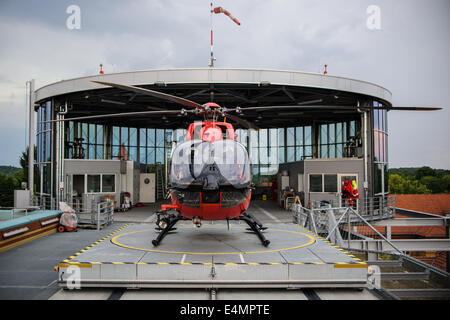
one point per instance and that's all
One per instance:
(334, 129)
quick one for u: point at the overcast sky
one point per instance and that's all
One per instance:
(408, 54)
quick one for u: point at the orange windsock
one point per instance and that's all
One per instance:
(226, 12)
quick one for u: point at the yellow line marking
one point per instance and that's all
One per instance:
(336, 265)
(116, 242)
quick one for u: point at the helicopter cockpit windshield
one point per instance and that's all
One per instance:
(210, 164)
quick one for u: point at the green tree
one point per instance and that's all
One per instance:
(425, 171)
(24, 164)
(400, 185)
(7, 186)
(435, 184)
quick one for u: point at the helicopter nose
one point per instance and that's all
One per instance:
(210, 182)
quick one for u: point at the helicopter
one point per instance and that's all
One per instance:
(210, 175)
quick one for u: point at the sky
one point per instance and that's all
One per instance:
(402, 45)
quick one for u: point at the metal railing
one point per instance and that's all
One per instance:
(347, 228)
(44, 202)
(378, 207)
(8, 213)
(94, 211)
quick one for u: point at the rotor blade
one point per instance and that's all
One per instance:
(122, 114)
(296, 107)
(411, 108)
(242, 122)
(153, 93)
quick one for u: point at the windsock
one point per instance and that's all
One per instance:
(222, 10)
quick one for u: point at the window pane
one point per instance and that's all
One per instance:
(299, 136)
(263, 138)
(142, 155)
(308, 135)
(115, 152)
(254, 156)
(323, 151)
(281, 155)
(160, 137)
(151, 137)
(273, 137)
(377, 177)
(323, 134)
(281, 137)
(308, 152)
(93, 183)
(108, 183)
(99, 150)
(315, 183)
(91, 151)
(290, 136)
(299, 153)
(339, 132)
(116, 136)
(132, 153)
(150, 155)
(160, 155)
(124, 136)
(133, 137)
(142, 138)
(332, 151)
(330, 183)
(375, 119)
(290, 154)
(92, 133)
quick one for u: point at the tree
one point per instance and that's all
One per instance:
(7, 186)
(425, 171)
(435, 184)
(24, 164)
(400, 185)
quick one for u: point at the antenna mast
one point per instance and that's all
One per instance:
(211, 60)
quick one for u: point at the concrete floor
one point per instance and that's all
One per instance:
(26, 272)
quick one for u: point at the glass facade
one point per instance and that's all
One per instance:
(44, 146)
(267, 147)
(380, 152)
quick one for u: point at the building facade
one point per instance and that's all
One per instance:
(337, 131)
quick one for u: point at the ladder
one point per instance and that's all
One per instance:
(159, 182)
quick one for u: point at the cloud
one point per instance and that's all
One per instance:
(409, 55)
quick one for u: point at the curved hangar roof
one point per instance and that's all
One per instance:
(318, 96)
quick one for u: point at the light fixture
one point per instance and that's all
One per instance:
(113, 102)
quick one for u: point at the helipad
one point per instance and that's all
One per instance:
(213, 256)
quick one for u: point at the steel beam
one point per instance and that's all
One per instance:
(421, 293)
(411, 222)
(402, 244)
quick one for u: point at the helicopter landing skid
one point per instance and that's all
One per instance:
(165, 223)
(255, 226)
